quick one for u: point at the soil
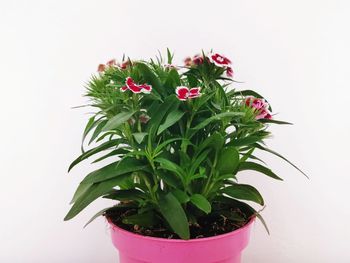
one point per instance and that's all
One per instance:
(206, 227)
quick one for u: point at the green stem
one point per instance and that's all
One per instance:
(206, 188)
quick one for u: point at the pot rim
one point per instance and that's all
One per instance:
(196, 240)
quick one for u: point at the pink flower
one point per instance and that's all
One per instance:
(125, 64)
(111, 63)
(184, 93)
(188, 61)
(229, 72)
(101, 68)
(260, 106)
(219, 60)
(198, 59)
(135, 88)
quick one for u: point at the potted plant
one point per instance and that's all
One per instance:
(175, 139)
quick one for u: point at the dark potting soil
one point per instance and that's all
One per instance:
(208, 226)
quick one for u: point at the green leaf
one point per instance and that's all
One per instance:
(173, 80)
(117, 120)
(97, 131)
(217, 117)
(126, 195)
(170, 179)
(139, 136)
(201, 202)
(247, 155)
(97, 215)
(163, 144)
(91, 194)
(170, 120)
(274, 121)
(181, 196)
(170, 56)
(116, 152)
(124, 166)
(245, 141)
(82, 188)
(215, 141)
(89, 126)
(171, 103)
(147, 219)
(228, 160)
(101, 147)
(244, 192)
(259, 168)
(174, 214)
(150, 78)
(170, 166)
(259, 146)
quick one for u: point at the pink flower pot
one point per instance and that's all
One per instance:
(226, 248)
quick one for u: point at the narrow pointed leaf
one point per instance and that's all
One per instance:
(174, 214)
(201, 202)
(217, 117)
(117, 120)
(244, 192)
(101, 147)
(259, 168)
(115, 169)
(100, 213)
(280, 156)
(90, 195)
(172, 118)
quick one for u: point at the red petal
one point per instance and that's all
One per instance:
(194, 93)
(132, 86)
(220, 60)
(124, 88)
(146, 88)
(182, 93)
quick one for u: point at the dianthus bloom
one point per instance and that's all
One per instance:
(219, 60)
(260, 106)
(135, 88)
(184, 93)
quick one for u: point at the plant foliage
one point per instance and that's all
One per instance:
(175, 139)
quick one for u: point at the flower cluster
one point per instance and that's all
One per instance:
(112, 63)
(260, 106)
(215, 58)
(184, 93)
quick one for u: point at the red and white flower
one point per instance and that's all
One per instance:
(183, 93)
(219, 60)
(135, 88)
(260, 106)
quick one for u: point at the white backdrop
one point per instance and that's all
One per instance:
(296, 53)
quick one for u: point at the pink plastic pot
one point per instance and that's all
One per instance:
(226, 248)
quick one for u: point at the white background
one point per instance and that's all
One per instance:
(296, 53)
